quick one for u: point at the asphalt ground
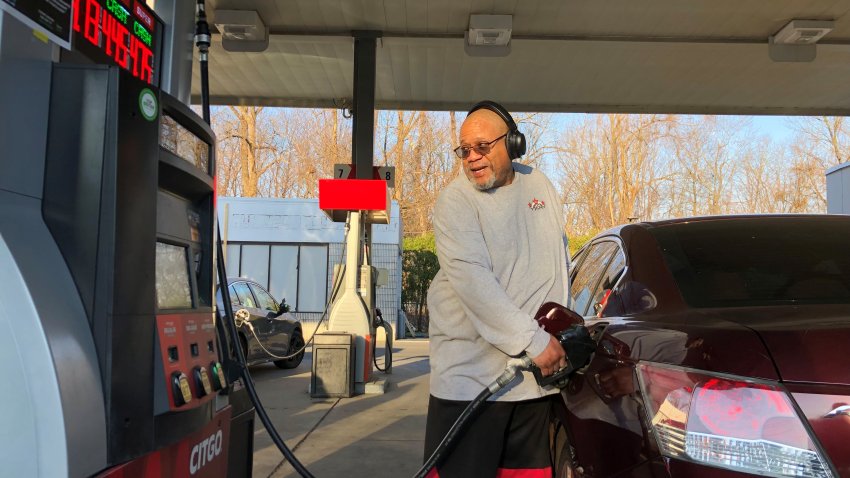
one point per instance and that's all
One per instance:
(369, 435)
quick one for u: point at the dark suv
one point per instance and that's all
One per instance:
(270, 332)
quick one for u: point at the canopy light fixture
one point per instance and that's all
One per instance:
(242, 30)
(803, 32)
(797, 40)
(488, 35)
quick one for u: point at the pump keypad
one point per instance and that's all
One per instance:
(189, 359)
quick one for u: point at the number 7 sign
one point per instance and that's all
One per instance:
(385, 173)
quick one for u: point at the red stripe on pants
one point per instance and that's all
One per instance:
(524, 472)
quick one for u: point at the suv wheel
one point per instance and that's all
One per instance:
(295, 343)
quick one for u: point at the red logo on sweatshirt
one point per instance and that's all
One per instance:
(536, 204)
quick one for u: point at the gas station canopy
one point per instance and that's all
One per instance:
(703, 56)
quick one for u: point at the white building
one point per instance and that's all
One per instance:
(290, 247)
(838, 189)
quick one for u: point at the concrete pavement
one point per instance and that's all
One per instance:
(363, 436)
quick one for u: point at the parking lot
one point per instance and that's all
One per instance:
(362, 436)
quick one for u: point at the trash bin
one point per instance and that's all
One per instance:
(333, 365)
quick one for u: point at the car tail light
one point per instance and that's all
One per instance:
(729, 422)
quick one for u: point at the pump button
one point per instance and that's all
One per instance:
(202, 381)
(173, 356)
(218, 379)
(180, 389)
(193, 348)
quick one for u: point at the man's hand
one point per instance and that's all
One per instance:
(552, 358)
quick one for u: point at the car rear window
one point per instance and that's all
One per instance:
(759, 261)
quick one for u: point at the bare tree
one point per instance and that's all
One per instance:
(704, 149)
(608, 165)
(821, 143)
(318, 142)
(535, 127)
(246, 148)
(610, 169)
(227, 168)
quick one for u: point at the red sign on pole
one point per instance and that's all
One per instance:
(353, 194)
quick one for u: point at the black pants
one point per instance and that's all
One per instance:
(506, 440)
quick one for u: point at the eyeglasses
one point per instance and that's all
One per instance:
(483, 148)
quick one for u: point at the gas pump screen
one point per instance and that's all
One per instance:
(122, 32)
(173, 290)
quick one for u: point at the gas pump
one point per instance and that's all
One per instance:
(106, 272)
(129, 200)
(360, 203)
(351, 311)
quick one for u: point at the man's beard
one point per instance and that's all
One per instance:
(486, 185)
(491, 181)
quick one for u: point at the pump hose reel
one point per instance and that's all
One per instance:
(388, 346)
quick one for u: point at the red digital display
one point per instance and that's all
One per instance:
(125, 31)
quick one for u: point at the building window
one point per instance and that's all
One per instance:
(283, 275)
(255, 263)
(297, 273)
(312, 274)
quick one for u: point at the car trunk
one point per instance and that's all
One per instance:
(808, 343)
(810, 346)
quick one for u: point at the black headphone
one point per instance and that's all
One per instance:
(514, 141)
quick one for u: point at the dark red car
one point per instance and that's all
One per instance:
(723, 350)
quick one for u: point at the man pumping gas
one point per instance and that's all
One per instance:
(503, 253)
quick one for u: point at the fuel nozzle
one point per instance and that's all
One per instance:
(578, 346)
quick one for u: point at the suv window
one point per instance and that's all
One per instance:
(244, 294)
(759, 261)
(266, 302)
(234, 298)
(588, 273)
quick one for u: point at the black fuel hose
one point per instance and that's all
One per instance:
(202, 40)
(388, 351)
(246, 376)
(470, 412)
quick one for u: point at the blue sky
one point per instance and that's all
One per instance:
(777, 127)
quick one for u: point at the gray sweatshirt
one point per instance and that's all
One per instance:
(502, 254)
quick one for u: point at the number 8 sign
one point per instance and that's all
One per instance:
(346, 171)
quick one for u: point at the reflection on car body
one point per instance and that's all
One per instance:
(721, 349)
(270, 332)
